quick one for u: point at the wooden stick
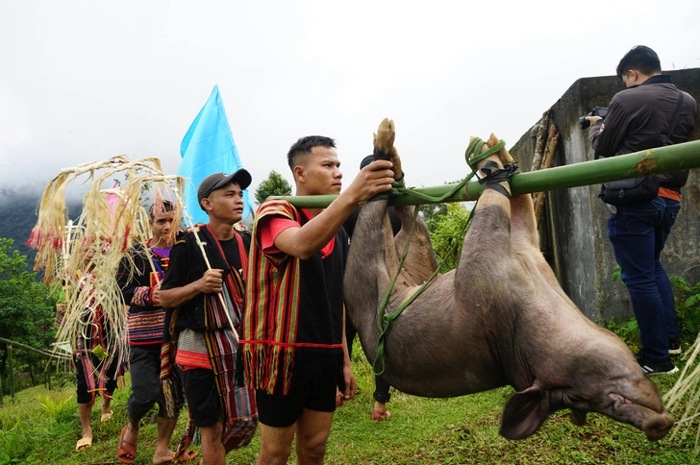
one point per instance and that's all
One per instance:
(195, 231)
(550, 151)
(541, 140)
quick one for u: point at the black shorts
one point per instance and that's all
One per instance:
(82, 392)
(315, 391)
(202, 396)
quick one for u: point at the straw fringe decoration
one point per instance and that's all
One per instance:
(686, 391)
(84, 257)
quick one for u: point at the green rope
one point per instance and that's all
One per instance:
(473, 155)
(384, 319)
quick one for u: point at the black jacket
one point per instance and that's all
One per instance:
(640, 117)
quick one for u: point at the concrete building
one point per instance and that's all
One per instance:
(573, 232)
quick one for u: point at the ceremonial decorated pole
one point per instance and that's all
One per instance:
(659, 160)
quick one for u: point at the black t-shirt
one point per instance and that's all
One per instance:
(187, 265)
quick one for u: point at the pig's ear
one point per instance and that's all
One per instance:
(524, 413)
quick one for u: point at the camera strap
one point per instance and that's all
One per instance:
(676, 113)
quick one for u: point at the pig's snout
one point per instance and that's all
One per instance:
(657, 426)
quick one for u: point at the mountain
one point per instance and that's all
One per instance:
(18, 215)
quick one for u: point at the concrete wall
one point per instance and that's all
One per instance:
(573, 231)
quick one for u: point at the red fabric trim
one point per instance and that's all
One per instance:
(242, 252)
(328, 248)
(242, 255)
(186, 359)
(292, 344)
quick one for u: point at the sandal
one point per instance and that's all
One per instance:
(105, 417)
(126, 451)
(83, 443)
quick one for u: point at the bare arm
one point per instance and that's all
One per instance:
(210, 282)
(302, 242)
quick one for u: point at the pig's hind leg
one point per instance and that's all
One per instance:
(420, 262)
(487, 263)
(524, 237)
(492, 165)
(420, 259)
(523, 223)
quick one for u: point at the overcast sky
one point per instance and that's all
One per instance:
(86, 80)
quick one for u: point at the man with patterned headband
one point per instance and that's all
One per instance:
(204, 290)
(139, 277)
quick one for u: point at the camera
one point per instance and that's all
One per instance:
(597, 111)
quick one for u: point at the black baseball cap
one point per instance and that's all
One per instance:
(218, 180)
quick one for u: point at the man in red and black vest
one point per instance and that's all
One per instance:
(294, 340)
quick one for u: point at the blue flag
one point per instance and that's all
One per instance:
(208, 148)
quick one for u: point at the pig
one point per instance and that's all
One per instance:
(500, 318)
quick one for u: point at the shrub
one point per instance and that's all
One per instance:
(687, 299)
(62, 410)
(447, 234)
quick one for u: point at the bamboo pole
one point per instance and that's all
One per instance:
(658, 160)
(552, 141)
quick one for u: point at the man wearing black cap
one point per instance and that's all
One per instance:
(204, 290)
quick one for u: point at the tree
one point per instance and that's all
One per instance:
(26, 309)
(432, 212)
(436, 212)
(447, 231)
(275, 184)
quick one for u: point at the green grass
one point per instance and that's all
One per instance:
(41, 427)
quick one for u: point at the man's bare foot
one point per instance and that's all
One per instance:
(380, 412)
(186, 457)
(163, 459)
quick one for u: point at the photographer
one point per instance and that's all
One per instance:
(650, 112)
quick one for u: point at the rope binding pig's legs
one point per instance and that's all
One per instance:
(486, 162)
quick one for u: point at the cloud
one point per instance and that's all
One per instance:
(87, 80)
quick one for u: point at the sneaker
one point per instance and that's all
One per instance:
(666, 367)
(674, 346)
